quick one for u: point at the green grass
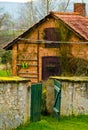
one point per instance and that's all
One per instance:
(51, 123)
(4, 73)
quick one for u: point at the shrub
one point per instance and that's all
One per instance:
(6, 57)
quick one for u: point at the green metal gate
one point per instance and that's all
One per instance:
(36, 102)
(57, 98)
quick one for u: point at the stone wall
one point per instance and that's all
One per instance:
(74, 97)
(14, 102)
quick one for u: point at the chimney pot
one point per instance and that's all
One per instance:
(80, 8)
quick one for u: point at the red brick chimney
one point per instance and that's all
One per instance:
(80, 8)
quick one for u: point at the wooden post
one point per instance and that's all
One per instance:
(38, 57)
(14, 60)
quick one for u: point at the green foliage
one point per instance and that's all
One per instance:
(44, 108)
(5, 73)
(78, 66)
(45, 84)
(73, 66)
(6, 57)
(64, 48)
(64, 52)
(70, 65)
(24, 65)
(64, 33)
(65, 123)
(6, 63)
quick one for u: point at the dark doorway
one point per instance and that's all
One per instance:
(50, 66)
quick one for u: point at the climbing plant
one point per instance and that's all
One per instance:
(70, 65)
(64, 48)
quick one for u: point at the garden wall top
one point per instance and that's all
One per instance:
(70, 79)
(13, 79)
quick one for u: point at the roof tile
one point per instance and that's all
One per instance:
(76, 22)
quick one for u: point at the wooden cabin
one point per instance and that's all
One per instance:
(36, 53)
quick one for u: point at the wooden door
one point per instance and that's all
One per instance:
(50, 66)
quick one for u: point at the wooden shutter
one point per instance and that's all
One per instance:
(51, 34)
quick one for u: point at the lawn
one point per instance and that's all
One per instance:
(51, 123)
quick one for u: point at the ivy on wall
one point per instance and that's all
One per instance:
(64, 50)
(70, 65)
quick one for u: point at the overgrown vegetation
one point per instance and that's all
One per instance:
(70, 65)
(6, 57)
(5, 63)
(51, 123)
(45, 84)
(5, 73)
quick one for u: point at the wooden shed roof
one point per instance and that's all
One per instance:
(73, 21)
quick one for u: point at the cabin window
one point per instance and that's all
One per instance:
(51, 35)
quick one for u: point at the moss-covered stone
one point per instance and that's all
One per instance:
(13, 79)
(70, 79)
